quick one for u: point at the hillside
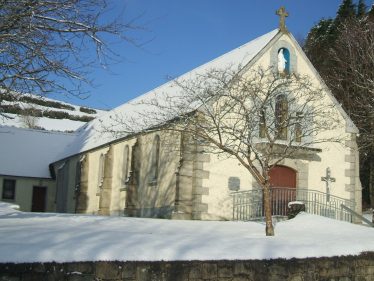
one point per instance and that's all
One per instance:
(30, 111)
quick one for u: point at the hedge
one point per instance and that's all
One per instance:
(16, 109)
(87, 110)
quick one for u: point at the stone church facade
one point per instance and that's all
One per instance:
(170, 175)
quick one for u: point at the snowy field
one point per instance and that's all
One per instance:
(47, 123)
(32, 237)
(43, 122)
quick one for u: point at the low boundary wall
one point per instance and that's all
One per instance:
(345, 268)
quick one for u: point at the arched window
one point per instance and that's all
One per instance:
(284, 61)
(155, 159)
(281, 117)
(100, 174)
(125, 164)
(262, 124)
(298, 129)
(78, 173)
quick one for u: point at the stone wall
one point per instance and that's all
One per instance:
(349, 268)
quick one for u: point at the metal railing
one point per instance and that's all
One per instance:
(248, 205)
(357, 215)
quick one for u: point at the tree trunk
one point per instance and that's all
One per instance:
(267, 208)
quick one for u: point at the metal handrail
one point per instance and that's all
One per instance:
(357, 215)
(247, 205)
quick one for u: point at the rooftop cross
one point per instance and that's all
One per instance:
(328, 179)
(281, 12)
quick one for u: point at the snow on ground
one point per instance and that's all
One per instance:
(32, 237)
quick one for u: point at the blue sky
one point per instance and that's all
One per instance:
(181, 35)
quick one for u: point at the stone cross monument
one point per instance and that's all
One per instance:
(281, 12)
(328, 179)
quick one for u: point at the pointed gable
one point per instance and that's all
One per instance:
(300, 63)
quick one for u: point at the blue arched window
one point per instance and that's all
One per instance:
(284, 61)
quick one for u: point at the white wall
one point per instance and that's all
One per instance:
(24, 189)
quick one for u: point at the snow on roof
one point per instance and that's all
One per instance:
(27, 152)
(94, 133)
(37, 237)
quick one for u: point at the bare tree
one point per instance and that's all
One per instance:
(28, 118)
(49, 46)
(260, 118)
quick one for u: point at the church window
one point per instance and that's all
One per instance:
(298, 130)
(281, 116)
(155, 159)
(125, 166)
(100, 178)
(62, 187)
(78, 172)
(9, 189)
(283, 61)
(262, 125)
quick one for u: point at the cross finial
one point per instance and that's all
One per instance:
(281, 12)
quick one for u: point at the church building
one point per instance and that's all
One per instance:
(104, 170)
